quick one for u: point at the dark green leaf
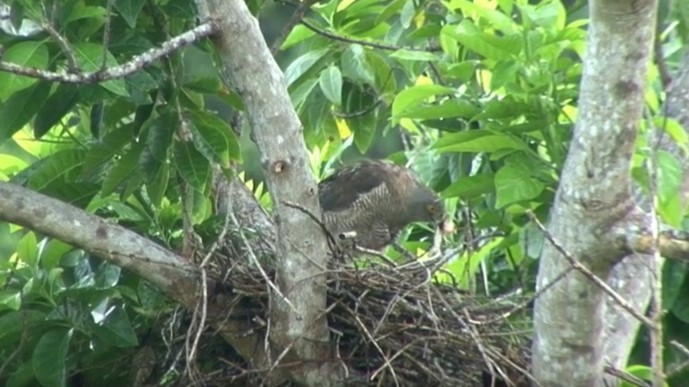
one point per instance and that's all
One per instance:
(161, 130)
(674, 273)
(123, 169)
(20, 108)
(129, 9)
(90, 58)
(105, 150)
(55, 167)
(191, 165)
(214, 138)
(117, 330)
(57, 106)
(49, 357)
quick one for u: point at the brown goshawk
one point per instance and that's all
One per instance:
(372, 201)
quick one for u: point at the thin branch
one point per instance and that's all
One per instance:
(588, 274)
(382, 46)
(296, 18)
(137, 63)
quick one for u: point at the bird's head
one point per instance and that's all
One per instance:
(426, 206)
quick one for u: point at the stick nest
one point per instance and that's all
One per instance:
(397, 326)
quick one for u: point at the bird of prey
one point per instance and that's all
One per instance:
(374, 201)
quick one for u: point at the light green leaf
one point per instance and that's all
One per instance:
(423, 56)
(470, 187)
(129, 10)
(513, 184)
(355, 65)
(489, 143)
(27, 250)
(11, 299)
(25, 54)
(411, 97)
(302, 64)
(331, 84)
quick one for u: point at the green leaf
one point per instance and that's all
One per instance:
(156, 189)
(117, 330)
(422, 56)
(495, 18)
(513, 184)
(191, 165)
(161, 130)
(214, 138)
(22, 376)
(674, 273)
(27, 250)
(109, 145)
(52, 253)
(302, 64)
(123, 169)
(670, 178)
(470, 186)
(355, 66)
(90, 58)
(57, 106)
(486, 45)
(411, 97)
(484, 141)
(675, 130)
(25, 54)
(331, 84)
(55, 167)
(10, 299)
(129, 10)
(465, 267)
(447, 109)
(20, 108)
(49, 357)
(297, 35)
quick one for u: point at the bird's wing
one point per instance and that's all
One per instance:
(346, 186)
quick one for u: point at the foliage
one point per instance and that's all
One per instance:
(479, 96)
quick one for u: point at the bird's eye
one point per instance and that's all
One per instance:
(431, 209)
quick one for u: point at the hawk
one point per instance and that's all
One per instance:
(374, 201)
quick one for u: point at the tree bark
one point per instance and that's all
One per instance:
(594, 199)
(632, 276)
(298, 327)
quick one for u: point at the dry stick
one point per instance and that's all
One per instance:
(586, 272)
(387, 363)
(106, 34)
(204, 284)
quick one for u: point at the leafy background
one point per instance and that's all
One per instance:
(479, 97)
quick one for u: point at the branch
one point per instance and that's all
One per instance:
(166, 270)
(137, 63)
(301, 248)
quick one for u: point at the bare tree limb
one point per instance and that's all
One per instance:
(135, 64)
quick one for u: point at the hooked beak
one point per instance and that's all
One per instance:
(446, 226)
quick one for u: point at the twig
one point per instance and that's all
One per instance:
(137, 62)
(381, 46)
(586, 272)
